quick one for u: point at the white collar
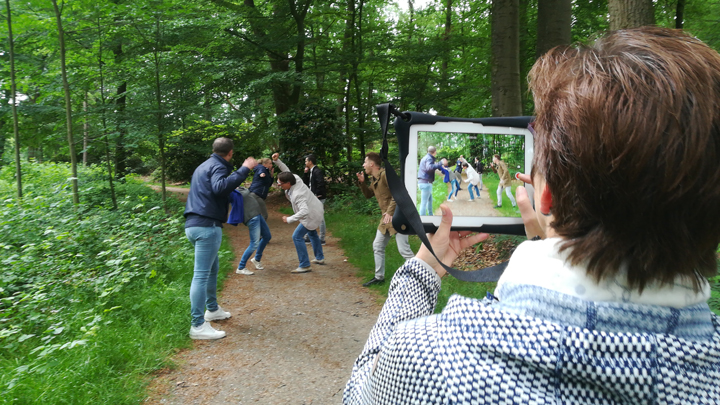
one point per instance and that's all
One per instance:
(540, 263)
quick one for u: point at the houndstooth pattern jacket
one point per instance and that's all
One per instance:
(535, 346)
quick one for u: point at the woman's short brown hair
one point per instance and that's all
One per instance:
(628, 140)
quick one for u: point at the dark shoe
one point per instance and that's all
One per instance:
(322, 242)
(374, 281)
(498, 206)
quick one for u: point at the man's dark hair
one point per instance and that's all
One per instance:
(628, 141)
(222, 146)
(287, 177)
(465, 165)
(375, 158)
(312, 158)
(497, 156)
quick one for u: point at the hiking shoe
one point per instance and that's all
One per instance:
(307, 239)
(244, 271)
(217, 315)
(498, 206)
(374, 281)
(322, 242)
(301, 270)
(205, 332)
(257, 264)
(316, 261)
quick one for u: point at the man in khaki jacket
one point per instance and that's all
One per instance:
(504, 175)
(380, 189)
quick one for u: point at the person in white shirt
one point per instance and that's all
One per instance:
(473, 178)
(309, 213)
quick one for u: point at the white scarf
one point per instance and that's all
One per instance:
(540, 264)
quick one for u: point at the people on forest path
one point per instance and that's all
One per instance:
(458, 169)
(315, 179)
(479, 170)
(308, 211)
(206, 210)
(504, 175)
(379, 188)
(262, 178)
(473, 178)
(607, 301)
(252, 211)
(426, 177)
(453, 180)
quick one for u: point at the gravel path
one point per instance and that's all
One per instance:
(292, 338)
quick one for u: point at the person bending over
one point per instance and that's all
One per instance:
(611, 307)
(309, 213)
(254, 216)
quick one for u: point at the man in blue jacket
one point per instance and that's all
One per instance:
(205, 211)
(263, 178)
(426, 176)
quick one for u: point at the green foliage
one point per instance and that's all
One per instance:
(90, 298)
(313, 127)
(187, 148)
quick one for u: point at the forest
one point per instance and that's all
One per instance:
(140, 86)
(98, 98)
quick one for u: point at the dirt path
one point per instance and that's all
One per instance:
(292, 338)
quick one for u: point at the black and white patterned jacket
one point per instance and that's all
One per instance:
(535, 346)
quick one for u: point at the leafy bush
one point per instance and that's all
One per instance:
(88, 295)
(313, 127)
(188, 148)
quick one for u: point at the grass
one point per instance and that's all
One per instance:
(92, 300)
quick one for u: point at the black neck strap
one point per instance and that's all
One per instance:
(407, 207)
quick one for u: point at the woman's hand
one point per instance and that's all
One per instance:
(529, 216)
(447, 244)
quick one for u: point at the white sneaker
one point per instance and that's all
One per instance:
(316, 261)
(257, 264)
(217, 315)
(206, 332)
(244, 271)
(301, 270)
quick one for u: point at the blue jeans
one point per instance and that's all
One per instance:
(455, 188)
(259, 238)
(425, 198)
(203, 289)
(302, 253)
(470, 188)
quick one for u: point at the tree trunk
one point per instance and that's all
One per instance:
(13, 106)
(158, 99)
(630, 13)
(554, 21)
(443, 108)
(505, 86)
(85, 130)
(679, 14)
(68, 106)
(108, 160)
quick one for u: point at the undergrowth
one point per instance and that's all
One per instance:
(92, 299)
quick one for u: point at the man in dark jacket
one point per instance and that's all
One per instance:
(314, 178)
(205, 211)
(263, 178)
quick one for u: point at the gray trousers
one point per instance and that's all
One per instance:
(380, 243)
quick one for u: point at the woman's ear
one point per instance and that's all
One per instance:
(545, 200)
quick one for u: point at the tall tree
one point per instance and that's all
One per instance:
(554, 22)
(13, 103)
(505, 43)
(630, 13)
(68, 105)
